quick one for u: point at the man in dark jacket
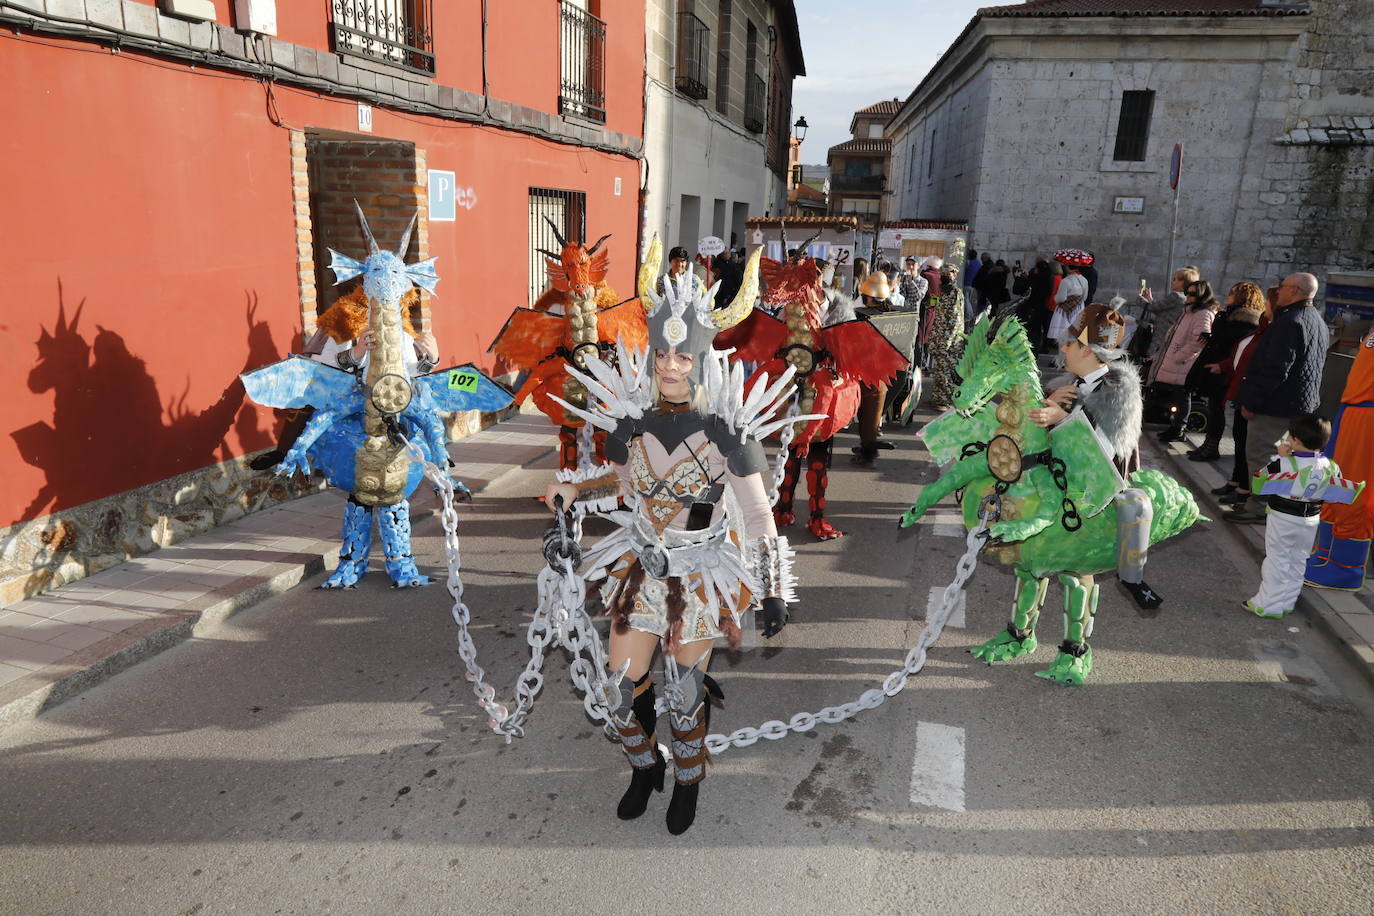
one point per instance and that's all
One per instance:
(1283, 378)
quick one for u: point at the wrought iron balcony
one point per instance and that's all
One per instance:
(871, 183)
(755, 104)
(583, 46)
(395, 32)
(693, 46)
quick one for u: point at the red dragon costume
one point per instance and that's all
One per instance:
(831, 362)
(578, 315)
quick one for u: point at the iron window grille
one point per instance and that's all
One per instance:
(723, 58)
(693, 46)
(583, 46)
(755, 104)
(1133, 128)
(568, 211)
(395, 32)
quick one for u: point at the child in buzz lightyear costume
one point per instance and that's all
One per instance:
(1298, 482)
(1106, 392)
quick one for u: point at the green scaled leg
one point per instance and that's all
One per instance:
(1075, 657)
(1019, 637)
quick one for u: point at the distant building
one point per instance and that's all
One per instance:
(805, 200)
(718, 117)
(1051, 124)
(859, 166)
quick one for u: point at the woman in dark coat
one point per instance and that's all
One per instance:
(1237, 320)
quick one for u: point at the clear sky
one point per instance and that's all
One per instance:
(863, 51)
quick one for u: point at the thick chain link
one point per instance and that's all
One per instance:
(895, 682)
(784, 442)
(561, 616)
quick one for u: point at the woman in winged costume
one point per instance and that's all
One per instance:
(696, 546)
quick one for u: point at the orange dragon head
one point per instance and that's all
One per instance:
(577, 270)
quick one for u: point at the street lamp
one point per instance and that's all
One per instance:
(800, 128)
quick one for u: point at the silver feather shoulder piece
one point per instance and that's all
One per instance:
(621, 392)
(751, 416)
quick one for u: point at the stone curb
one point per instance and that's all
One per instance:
(1313, 603)
(36, 693)
(24, 699)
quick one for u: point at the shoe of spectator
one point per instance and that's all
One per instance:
(1244, 516)
(1204, 453)
(1234, 498)
(1225, 489)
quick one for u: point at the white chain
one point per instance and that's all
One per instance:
(784, 441)
(586, 447)
(561, 615)
(893, 684)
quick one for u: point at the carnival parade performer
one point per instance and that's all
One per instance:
(1106, 392)
(1072, 295)
(577, 316)
(944, 343)
(695, 546)
(372, 392)
(832, 352)
(1344, 533)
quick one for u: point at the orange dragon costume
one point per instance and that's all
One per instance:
(1344, 532)
(578, 316)
(831, 362)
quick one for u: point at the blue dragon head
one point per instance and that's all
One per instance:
(386, 277)
(997, 357)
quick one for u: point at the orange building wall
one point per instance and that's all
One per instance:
(161, 228)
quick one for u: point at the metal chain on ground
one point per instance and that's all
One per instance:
(561, 615)
(895, 682)
(557, 593)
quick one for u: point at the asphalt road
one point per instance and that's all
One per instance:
(322, 753)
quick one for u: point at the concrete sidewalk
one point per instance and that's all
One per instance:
(56, 645)
(1347, 617)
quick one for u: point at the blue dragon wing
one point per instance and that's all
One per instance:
(463, 388)
(299, 381)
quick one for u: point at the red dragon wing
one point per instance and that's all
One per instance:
(624, 321)
(757, 338)
(862, 352)
(529, 337)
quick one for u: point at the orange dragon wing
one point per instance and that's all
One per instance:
(529, 337)
(624, 321)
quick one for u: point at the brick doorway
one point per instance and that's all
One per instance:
(384, 177)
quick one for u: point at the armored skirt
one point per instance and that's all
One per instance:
(680, 564)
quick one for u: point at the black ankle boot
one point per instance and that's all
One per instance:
(643, 784)
(682, 809)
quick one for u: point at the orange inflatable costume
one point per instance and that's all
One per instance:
(1344, 533)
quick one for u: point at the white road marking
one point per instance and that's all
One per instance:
(956, 616)
(937, 772)
(948, 529)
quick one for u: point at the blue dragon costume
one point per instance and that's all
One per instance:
(365, 414)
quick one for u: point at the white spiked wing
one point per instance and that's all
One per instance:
(621, 391)
(758, 414)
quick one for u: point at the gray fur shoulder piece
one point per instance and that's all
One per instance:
(1115, 406)
(839, 308)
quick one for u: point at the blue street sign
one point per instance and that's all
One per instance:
(443, 196)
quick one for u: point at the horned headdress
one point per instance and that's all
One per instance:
(682, 316)
(386, 276)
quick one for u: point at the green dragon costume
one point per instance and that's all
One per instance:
(1055, 490)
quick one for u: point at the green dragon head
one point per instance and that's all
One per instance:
(997, 357)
